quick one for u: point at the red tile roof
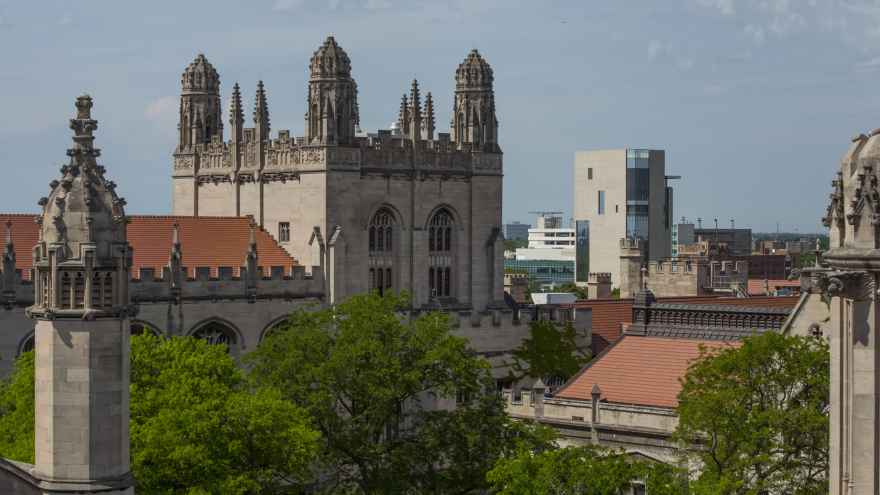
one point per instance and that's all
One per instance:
(756, 286)
(204, 242)
(609, 314)
(25, 233)
(638, 370)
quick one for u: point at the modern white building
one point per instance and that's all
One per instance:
(549, 240)
(620, 193)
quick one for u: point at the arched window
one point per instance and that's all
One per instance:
(215, 333)
(381, 249)
(138, 328)
(27, 344)
(441, 242)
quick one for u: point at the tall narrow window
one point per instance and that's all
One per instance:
(601, 202)
(441, 239)
(381, 251)
(283, 231)
(590, 173)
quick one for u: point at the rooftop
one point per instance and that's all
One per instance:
(610, 315)
(636, 370)
(211, 242)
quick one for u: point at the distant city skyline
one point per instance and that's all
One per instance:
(753, 101)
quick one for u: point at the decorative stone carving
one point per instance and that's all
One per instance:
(855, 285)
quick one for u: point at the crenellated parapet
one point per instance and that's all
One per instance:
(332, 139)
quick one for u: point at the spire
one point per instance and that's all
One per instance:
(175, 260)
(8, 266)
(414, 123)
(236, 114)
(428, 118)
(8, 235)
(261, 113)
(403, 116)
(251, 260)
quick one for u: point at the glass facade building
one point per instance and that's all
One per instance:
(638, 193)
(546, 273)
(582, 249)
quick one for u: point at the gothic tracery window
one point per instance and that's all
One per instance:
(216, 333)
(381, 251)
(440, 253)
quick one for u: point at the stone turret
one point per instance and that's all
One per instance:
(81, 306)
(850, 284)
(474, 123)
(632, 258)
(201, 117)
(332, 114)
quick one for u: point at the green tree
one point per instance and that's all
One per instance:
(550, 350)
(513, 245)
(195, 426)
(588, 470)
(758, 416)
(579, 292)
(17, 411)
(365, 373)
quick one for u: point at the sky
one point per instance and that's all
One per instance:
(754, 101)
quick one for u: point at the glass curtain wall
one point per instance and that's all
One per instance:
(637, 193)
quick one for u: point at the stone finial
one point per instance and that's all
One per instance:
(261, 113)
(236, 114)
(596, 392)
(403, 115)
(428, 119)
(8, 234)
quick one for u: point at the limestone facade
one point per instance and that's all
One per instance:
(417, 211)
(849, 283)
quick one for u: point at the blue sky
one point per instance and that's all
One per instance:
(754, 101)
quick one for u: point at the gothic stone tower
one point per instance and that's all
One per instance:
(419, 212)
(850, 282)
(82, 340)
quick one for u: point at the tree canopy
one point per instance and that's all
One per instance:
(551, 350)
(380, 387)
(758, 416)
(196, 427)
(588, 470)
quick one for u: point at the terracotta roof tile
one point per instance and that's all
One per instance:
(756, 286)
(204, 242)
(639, 370)
(610, 314)
(25, 233)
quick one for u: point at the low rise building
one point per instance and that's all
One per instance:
(516, 231)
(626, 398)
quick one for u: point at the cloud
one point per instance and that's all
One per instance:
(65, 20)
(286, 5)
(377, 4)
(655, 48)
(725, 7)
(667, 53)
(162, 109)
(869, 65)
(755, 33)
